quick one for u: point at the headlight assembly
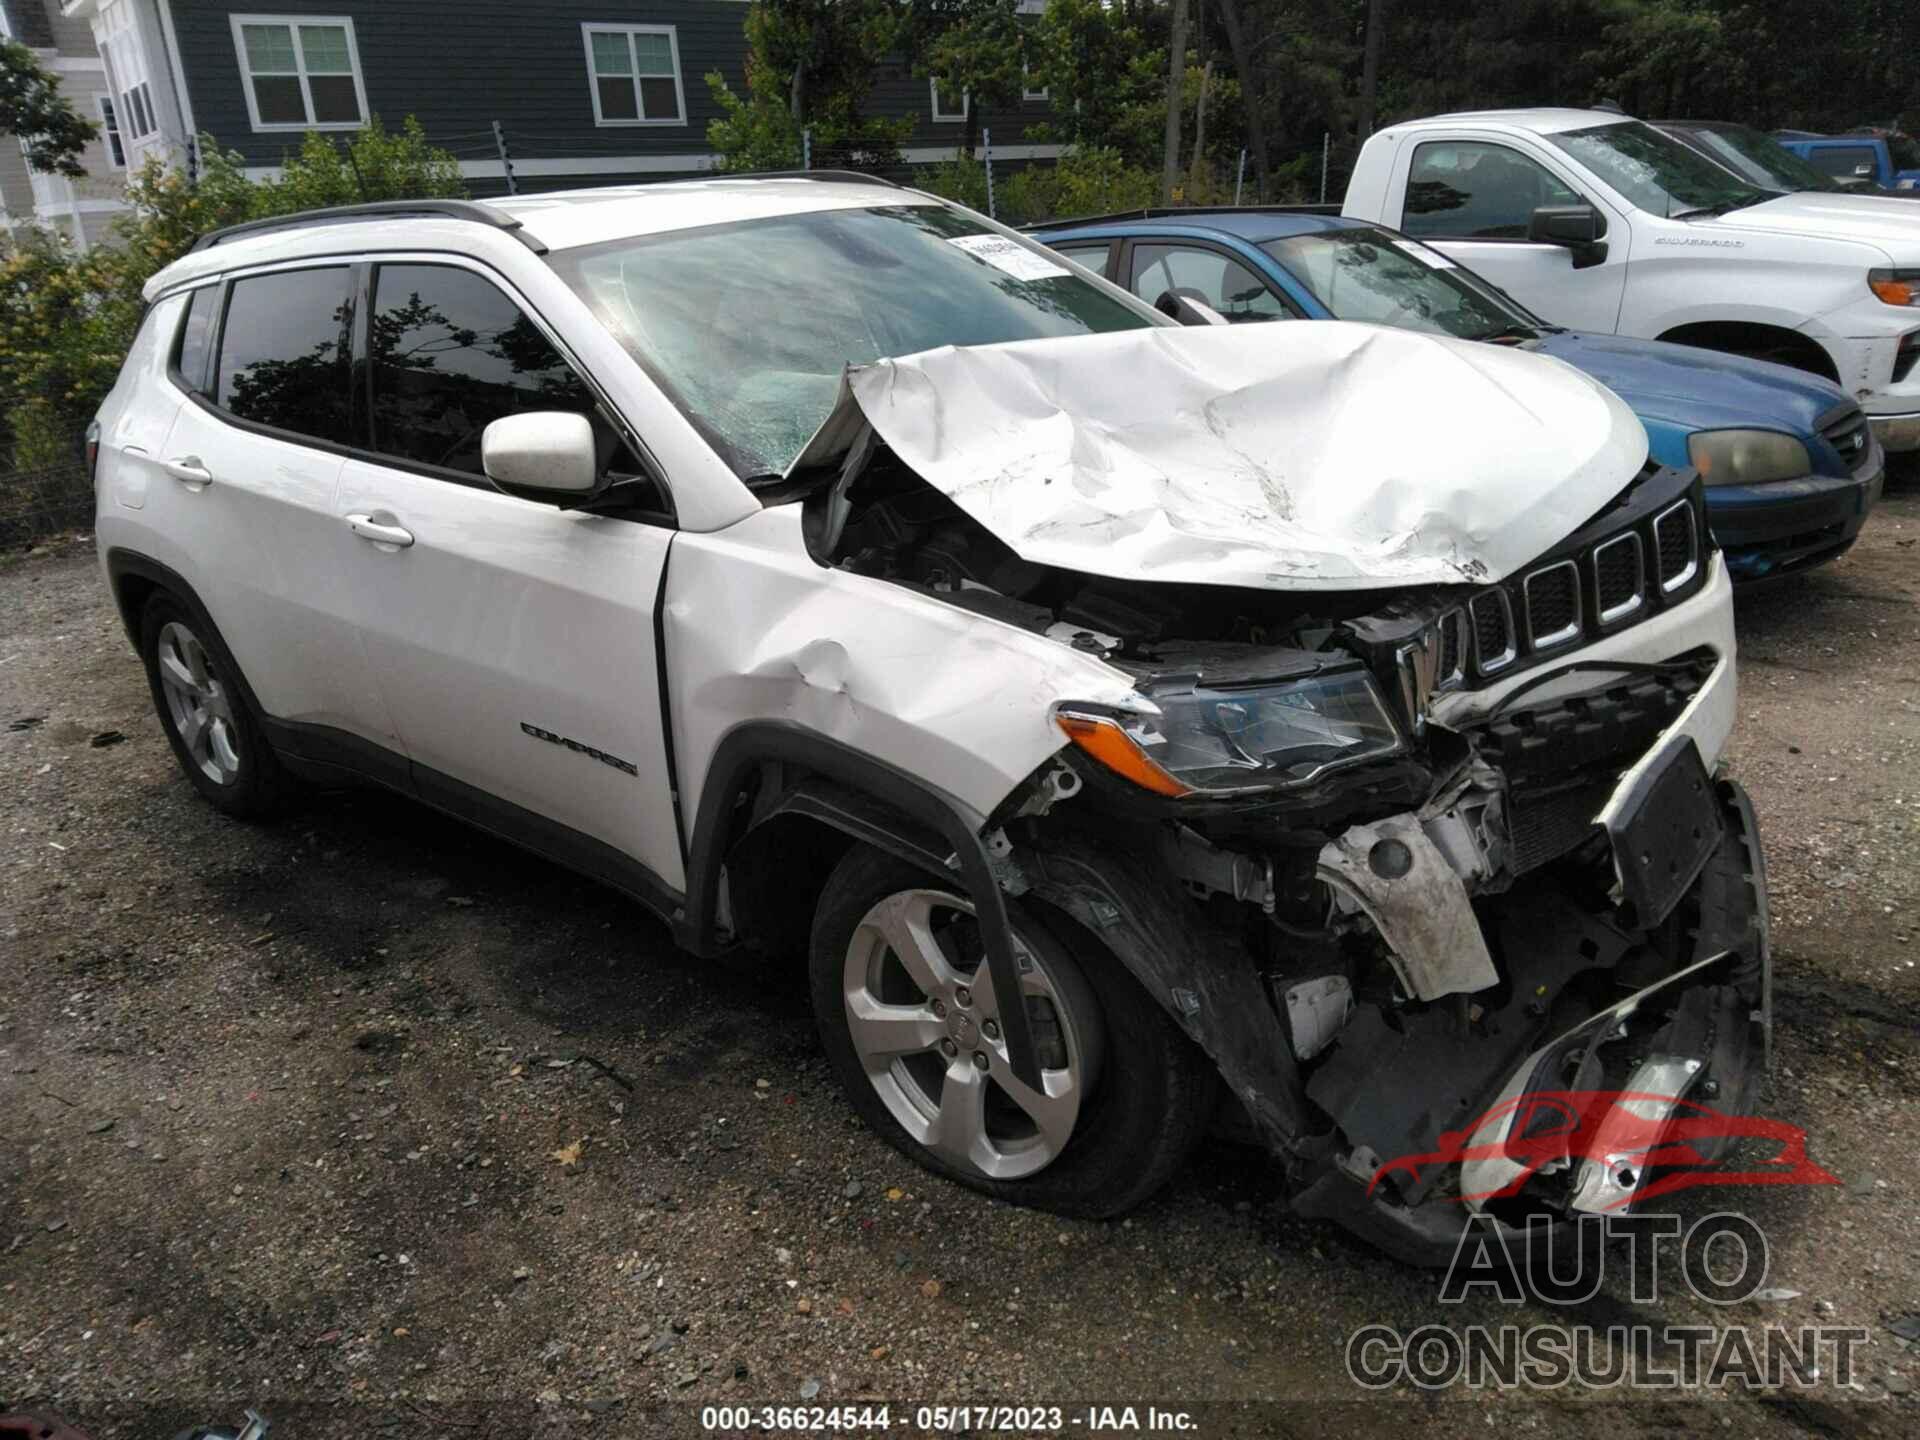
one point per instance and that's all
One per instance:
(1746, 457)
(1895, 287)
(1201, 742)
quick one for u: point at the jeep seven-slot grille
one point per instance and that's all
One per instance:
(1847, 432)
(1602, 586)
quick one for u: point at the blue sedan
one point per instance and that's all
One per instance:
(1790, 465)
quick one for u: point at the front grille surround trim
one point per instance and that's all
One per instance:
(1560, 634)
(1620, 610)
(1497, 602)
(1681, 512)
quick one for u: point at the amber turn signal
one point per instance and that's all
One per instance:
(1895, 287)
(1107, 742)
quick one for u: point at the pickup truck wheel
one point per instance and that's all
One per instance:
(908, 1017)
(214, 734)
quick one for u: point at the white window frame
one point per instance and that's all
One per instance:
(1027, 94)
(947, 117)
(111, 129)
(294, 22)
(590, 29)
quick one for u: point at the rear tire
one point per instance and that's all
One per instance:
(215, 736)
(1127, 1094)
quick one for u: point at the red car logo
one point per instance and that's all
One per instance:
(1628, 1132)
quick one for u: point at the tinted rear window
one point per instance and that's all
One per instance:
(1845, 160)
(284, 353)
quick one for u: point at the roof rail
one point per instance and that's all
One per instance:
(1175, 212)
(343, 214)
(858, 177)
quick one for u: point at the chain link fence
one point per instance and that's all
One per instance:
(37, 503)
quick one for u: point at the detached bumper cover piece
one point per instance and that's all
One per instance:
(1663, 831)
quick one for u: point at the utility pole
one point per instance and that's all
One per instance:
(506, 160)
(986, 147)
(1370, 66)
(1176, 74)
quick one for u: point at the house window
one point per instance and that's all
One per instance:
(140, 111)
(110, 132)
(635, 70)
(948, 108)
(1027, 91)
(302, 72)
(132, 117)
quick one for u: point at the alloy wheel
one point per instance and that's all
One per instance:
(925, 1023)
(199, 704)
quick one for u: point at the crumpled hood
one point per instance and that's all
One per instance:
(1285, 457)
(1698, 389)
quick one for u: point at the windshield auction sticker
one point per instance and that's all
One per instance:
(1005, 254)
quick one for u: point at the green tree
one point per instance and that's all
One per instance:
(977, 48)
(32, 108)
(1105, 70)
(810, 66)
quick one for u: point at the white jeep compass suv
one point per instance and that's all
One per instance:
(1102, 709)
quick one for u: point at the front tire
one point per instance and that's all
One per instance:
(907, 1016)
(215, 737)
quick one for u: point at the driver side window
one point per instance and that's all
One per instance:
(450, 354)
(1468, 190)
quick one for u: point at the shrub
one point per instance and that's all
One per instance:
(66, 318)
(962, 180)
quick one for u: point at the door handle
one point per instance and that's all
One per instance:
(188, 470)
(380, 533)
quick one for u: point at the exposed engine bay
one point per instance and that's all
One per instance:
(1435, 914)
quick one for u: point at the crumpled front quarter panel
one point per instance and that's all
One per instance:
(757, 631)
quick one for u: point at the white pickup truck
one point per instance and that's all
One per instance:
(1600, 222)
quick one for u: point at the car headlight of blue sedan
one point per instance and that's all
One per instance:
(1746, 457)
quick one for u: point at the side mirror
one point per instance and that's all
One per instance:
(1189, 307)
(542, 455)
(1577, 227)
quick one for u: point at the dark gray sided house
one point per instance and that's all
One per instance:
(586, 92)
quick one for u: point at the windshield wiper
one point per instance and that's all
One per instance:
(1510, 332)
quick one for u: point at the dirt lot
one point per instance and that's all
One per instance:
(387, 1128)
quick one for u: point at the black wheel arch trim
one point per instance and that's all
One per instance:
(1199, 972)
(867, 798)
(122, 564)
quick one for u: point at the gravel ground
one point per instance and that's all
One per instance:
(383, 1126)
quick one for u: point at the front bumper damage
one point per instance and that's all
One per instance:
(1637, 961)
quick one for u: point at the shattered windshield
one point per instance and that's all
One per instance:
(1656, 172)
(1366, 274)
(748, 326)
